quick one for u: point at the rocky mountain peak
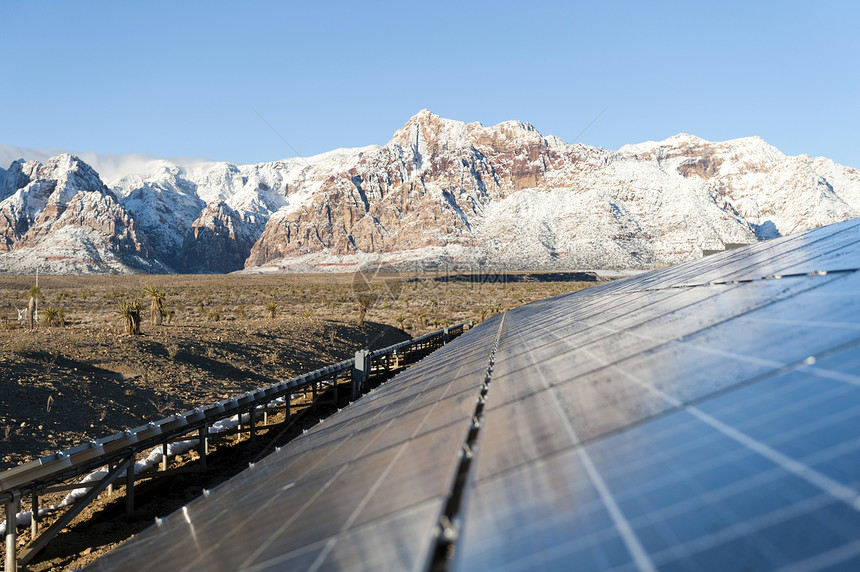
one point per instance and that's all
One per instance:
(439, 192)
(426, 132)
(70, 168)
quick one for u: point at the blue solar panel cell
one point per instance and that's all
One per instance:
(553, 494)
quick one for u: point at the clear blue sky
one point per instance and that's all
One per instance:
(185, 78)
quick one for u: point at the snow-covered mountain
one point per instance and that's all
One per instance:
(60, 217)
(440, 191)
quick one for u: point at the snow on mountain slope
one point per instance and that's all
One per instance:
(505, 196)
(439, 192)
(193, 215)
(60, 217)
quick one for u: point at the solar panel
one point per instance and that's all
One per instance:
(705, 416)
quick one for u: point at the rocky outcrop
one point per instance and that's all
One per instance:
(220, 240)
(202, 219)
(62, 218)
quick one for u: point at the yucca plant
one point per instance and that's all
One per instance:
(271, 310)
(52, 316)
(32, 306)
(365, 301)
(130, 313)
(156, 306)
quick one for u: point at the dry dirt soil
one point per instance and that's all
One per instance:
(63, 385)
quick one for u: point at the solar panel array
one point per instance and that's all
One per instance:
(706, 416)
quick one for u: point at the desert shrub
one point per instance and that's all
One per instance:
(168, 316)
(52, 316)
(172, 349)
(20, 346)
(214, 316)
(271, 310)
(130, 314)
(156, 306)
(365, 301)
(35, 296)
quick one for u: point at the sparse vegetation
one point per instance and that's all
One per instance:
(271, 310)
(365, 301)
(32, 305)
(156, 306)
(194, 361)
(52, 316)
(130, 314)
(172, 349)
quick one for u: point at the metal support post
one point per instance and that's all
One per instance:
(35, 547)
(12, 532)
(446, 335)
(253, 422)
(201, 448)
(314, 392)
(34, 520)
(164, 456)
(129, 487)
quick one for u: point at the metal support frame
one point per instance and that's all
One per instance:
(39, 480)
(202, 446)
(129, 487)
(12, 532)
(36, 546)
(314, 398)
(34, 519)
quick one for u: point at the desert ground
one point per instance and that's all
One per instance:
(61, 385)
(64, 384)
